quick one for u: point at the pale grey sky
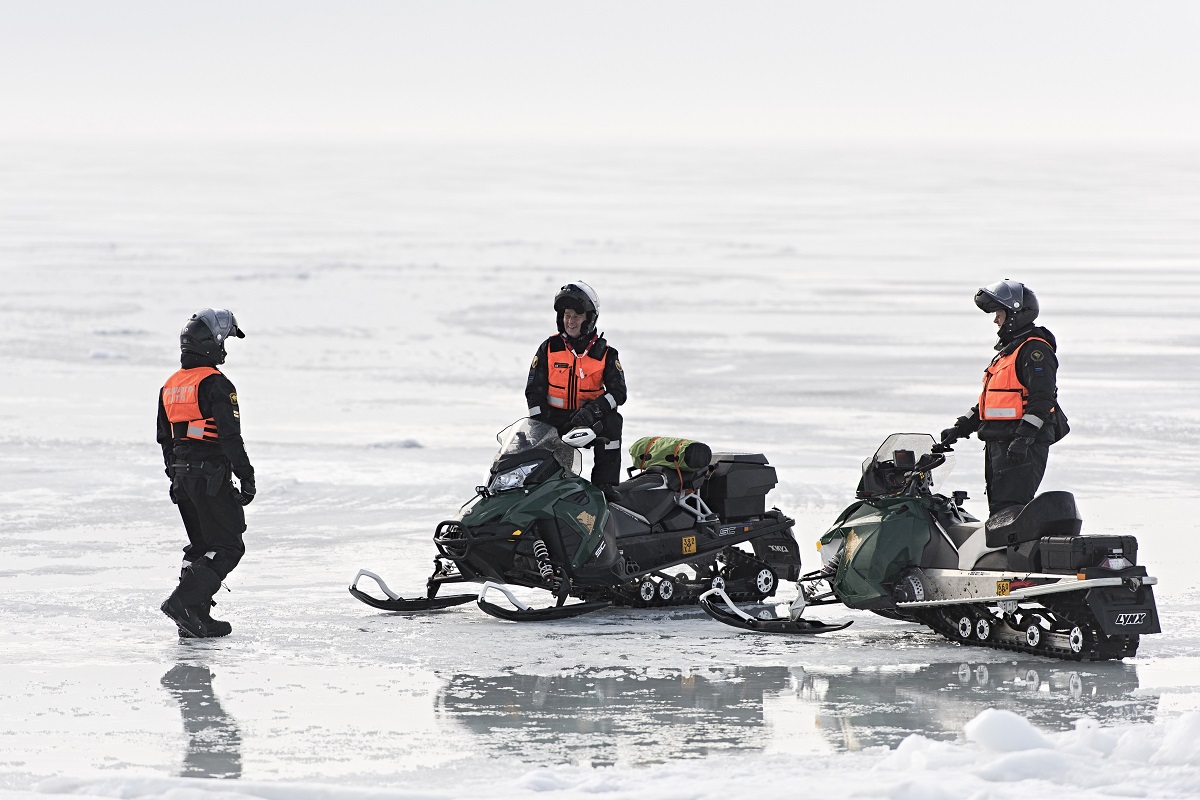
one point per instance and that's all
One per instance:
(695, 70)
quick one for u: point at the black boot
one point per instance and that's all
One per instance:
(188, 604)
(216, 627)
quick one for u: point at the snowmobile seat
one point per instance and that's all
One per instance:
(1048, 514)
(652, 494)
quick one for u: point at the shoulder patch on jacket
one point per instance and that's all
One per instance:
(535, 363)
(1037, 355)
(233, 398)
(617, 364)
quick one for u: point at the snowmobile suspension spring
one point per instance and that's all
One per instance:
(543, 559)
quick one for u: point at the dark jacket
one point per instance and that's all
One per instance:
(538, 384)
(218, 399)
(1037, 370)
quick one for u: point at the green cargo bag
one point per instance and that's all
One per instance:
(672, 452)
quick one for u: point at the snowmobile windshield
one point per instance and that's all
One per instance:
(527, 435)
(893, 454)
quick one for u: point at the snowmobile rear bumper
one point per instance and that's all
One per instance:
(952, 587)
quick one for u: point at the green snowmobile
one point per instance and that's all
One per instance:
(665, 536)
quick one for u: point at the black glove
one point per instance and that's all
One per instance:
(171, 492)
(961, 430)
(588, 415)
(1018, 449)
(247, 491)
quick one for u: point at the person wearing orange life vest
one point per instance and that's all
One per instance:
(576, 380)
(200, 432)
(1018, 415)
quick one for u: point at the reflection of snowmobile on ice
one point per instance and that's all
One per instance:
(881, 706)
(667, 535)
(1025, 581)
(612, 715)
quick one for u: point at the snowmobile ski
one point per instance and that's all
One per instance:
(730, 614)
(525, 613)
(395, 602)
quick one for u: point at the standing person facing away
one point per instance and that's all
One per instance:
(200, 431)
(576, 380)
(1018, 415)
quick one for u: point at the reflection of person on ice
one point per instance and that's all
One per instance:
(214, 748)
(1018, 415)
(576, 380)
(200, 431)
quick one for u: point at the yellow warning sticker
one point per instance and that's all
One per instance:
(1003, 588)
(689, 545)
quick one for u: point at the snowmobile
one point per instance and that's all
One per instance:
(1025, 580)
(663, 537)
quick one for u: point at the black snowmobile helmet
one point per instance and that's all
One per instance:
(205, 333)
(582, 299)
(1017, 300)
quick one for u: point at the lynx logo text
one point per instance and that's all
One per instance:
(1131, 619)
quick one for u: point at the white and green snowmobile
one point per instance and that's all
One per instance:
(1024, 581)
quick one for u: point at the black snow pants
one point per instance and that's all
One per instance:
(212, 514)
(607, 469)
(1010, 484)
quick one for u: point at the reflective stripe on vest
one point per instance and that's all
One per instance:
(573, 379)
(182, 404)
(1003, 396)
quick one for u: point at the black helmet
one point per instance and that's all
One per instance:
(1019, 303)
(205, 333)
(582, 299)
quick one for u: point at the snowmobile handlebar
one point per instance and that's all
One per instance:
(582, 437)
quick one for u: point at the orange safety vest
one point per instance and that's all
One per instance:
(183, 405)
(574, 379)
(1003, 396)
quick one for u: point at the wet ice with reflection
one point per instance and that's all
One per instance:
(634, 716)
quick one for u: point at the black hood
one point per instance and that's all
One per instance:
(1033, 331)
(193, 360)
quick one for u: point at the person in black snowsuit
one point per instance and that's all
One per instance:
(1018, 415)
(576, 380)
(200, 432)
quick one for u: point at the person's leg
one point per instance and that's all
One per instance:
(1010, 484)
(607, 469)
(216, 547)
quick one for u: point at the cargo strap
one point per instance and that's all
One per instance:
(645, 457)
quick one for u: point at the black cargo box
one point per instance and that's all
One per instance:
(1075, 553)
(739, 484)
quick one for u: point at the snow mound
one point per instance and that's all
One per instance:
(1004, 732)
(1180, 743)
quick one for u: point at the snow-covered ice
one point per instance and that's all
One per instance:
(799, 303)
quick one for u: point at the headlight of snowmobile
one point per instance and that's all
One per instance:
(513, 478)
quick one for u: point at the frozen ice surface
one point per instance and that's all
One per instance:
(799, 303)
